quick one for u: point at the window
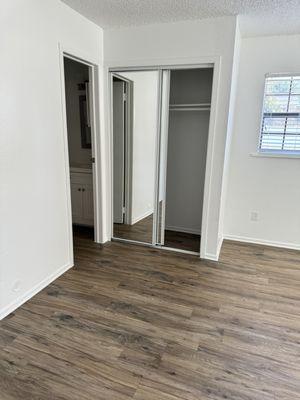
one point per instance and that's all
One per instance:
(280, 130)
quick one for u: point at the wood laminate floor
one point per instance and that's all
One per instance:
(142, 232)
(130, 322)
(182, 241)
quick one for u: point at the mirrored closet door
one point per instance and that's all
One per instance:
(160, 135)
(135, 98)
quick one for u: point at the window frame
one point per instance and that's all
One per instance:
(273, 152)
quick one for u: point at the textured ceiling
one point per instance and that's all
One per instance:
(263, 15)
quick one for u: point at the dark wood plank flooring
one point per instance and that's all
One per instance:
(182, 241)
(142, 232)
(130, 322)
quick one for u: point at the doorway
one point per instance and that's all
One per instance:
(79, 102)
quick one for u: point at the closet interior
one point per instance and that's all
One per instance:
(160, 135)
(190, 97)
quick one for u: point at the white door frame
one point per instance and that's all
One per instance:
(201, 62)
(65, 52)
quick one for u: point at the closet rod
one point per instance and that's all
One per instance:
(190, 109)
(190, 105)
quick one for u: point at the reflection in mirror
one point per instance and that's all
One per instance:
(135, 119)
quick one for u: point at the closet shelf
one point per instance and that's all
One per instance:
(190, 107)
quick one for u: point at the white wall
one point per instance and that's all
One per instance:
(75, 73)
(268, 186)
(34, 238)
(144, 136)
(185, 43)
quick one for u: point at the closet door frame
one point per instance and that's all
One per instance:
(213, 62)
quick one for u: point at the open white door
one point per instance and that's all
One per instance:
(119, 151)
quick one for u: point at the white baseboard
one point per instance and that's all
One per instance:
(221, 239)
(210, 256)
(215, 257)
(245, 239)
(140, 217)
(32, 292)
(184, 230)
(104, 239)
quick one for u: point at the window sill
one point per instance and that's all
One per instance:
(269, 154)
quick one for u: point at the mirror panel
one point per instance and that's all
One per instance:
(135, 129)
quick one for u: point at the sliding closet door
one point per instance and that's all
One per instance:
(137, 185)
(162, 162)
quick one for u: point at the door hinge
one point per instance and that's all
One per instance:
(124, 96)
(123, 210)
(93, 160)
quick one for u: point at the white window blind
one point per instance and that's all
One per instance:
(280, 130)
